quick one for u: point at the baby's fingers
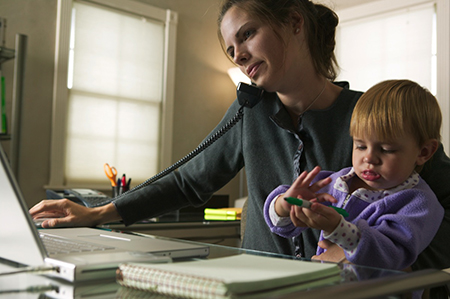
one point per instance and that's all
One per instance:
(322, 197)
(320, 184)
(297, 217)
(305, 178)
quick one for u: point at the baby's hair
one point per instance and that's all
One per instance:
(395, 108)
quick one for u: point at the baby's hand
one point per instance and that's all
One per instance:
(318, 216)
(302, 187)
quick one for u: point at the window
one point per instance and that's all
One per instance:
(390, 45)
(113, 91)
(404, 39)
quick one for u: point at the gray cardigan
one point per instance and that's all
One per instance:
(264, 141)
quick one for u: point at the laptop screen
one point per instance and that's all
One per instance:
(19, 238)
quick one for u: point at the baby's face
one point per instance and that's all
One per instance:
(382, 164)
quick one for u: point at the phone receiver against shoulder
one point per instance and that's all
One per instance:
(248, 95)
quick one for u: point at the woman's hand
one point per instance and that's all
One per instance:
(333, 253)
(64, 213)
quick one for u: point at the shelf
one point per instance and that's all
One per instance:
(6, 54)
(19, 55)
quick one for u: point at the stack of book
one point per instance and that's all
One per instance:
(223, 214)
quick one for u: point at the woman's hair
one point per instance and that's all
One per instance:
(394, 108)
(320, 24)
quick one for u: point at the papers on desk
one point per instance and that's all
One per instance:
(223, 214)
(240, 275)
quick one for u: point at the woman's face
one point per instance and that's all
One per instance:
(256, 49)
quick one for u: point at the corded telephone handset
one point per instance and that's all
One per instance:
(86, 197)
(247, 95)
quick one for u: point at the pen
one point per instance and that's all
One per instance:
(307, 204)
(118, 188)
(298, 202)
(124, 183)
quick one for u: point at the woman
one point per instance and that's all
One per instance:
(285, 47)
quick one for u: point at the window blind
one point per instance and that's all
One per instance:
(115, 86)
(397, 44)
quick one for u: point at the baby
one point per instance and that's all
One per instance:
(393, 213)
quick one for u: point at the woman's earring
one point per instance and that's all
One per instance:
(297, 30)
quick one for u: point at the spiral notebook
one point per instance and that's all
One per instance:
(238, 275)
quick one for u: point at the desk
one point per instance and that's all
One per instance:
(356, 282)
(187, 226)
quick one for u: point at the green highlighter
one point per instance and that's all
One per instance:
(307, 204)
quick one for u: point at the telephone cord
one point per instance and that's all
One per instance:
(231, 123)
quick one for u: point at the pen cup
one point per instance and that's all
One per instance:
(115, 191)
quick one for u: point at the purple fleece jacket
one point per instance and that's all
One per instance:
(394, 229)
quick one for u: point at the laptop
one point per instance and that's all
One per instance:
(99, 251)
(25, 286)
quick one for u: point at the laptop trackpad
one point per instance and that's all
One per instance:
(134, 243)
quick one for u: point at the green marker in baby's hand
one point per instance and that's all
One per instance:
(307, 204)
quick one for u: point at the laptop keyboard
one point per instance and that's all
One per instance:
(55, 245)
